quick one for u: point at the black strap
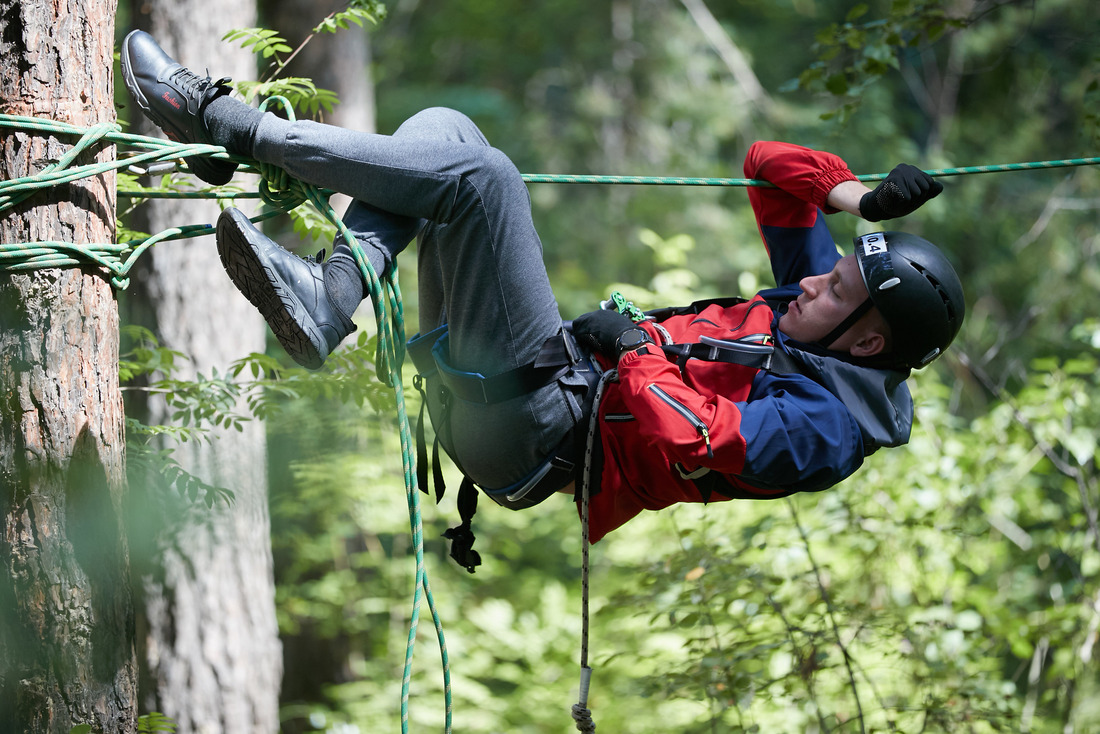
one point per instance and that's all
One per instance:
(556, 356)
(462, 536)
(421, 443)
(748, 354)
(846, 324)
(422, 450)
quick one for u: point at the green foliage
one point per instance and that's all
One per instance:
(357, 12)
(145, 458)
(310, 224)
(262, 383)
(194, 403)
(303, 94)
(853, 55)
(272, 48)
(265, 43)
(154, 722)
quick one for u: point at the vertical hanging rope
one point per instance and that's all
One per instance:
(582, 716)
(385, 297)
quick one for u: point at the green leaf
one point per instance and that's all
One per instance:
(837, 84)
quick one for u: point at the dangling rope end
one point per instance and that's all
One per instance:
(581, 715)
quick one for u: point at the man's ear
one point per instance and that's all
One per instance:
(869, 344)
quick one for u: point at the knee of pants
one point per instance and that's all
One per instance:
(493, 180)
(442, 123)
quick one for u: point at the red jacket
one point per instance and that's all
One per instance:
(765, 435)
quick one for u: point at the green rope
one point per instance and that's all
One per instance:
(280, 189)
(751, 182)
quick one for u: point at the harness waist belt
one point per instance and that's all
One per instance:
(431, 353)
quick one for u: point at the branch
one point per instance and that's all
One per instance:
(1060, 464)
(730, 54)
(830, 612)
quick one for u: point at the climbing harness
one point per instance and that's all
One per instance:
(435, 376)
(429, 353)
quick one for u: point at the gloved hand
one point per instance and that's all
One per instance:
(601, 330)
(905, 189)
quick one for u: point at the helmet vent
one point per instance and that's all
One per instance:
(940, 291)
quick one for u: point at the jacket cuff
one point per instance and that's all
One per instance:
(826, 182)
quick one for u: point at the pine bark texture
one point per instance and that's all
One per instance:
(208, 637)
(66, 615)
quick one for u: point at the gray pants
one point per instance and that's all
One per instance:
(438, 180)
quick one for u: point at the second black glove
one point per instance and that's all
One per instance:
(905, 189)
(600, 330)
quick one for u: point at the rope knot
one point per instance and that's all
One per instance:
(583, 718)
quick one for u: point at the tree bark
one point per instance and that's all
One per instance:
(211, 658)
(66, 616)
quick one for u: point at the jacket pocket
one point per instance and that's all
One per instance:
(686, 413)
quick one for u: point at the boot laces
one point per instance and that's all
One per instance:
(190, 83)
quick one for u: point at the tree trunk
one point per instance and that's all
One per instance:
(340, 62)
(66, 616)
(209, 638)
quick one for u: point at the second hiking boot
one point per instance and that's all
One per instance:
(173, 97)
(288, 290)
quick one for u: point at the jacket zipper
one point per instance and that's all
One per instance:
(696, 422)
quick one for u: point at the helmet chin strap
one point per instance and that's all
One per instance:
(846, 324)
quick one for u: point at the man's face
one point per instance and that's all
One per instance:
(826, 300)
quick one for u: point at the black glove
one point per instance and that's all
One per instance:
(601, 330)
(905, 189)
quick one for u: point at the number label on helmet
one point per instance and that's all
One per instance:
(873, 244)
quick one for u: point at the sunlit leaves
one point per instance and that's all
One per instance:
(357, 12)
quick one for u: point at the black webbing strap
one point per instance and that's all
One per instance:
(747, 354)
(846, 324)
(422, 451)
(556, 356)
(462, 536)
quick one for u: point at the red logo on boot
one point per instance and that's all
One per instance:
(171, 100)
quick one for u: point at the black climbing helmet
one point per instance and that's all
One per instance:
(916, 290)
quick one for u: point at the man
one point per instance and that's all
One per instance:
(786, 392)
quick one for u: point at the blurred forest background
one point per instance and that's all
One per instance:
(950, 586)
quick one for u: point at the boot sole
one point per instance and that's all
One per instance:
(213, 171)
(245, 263)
